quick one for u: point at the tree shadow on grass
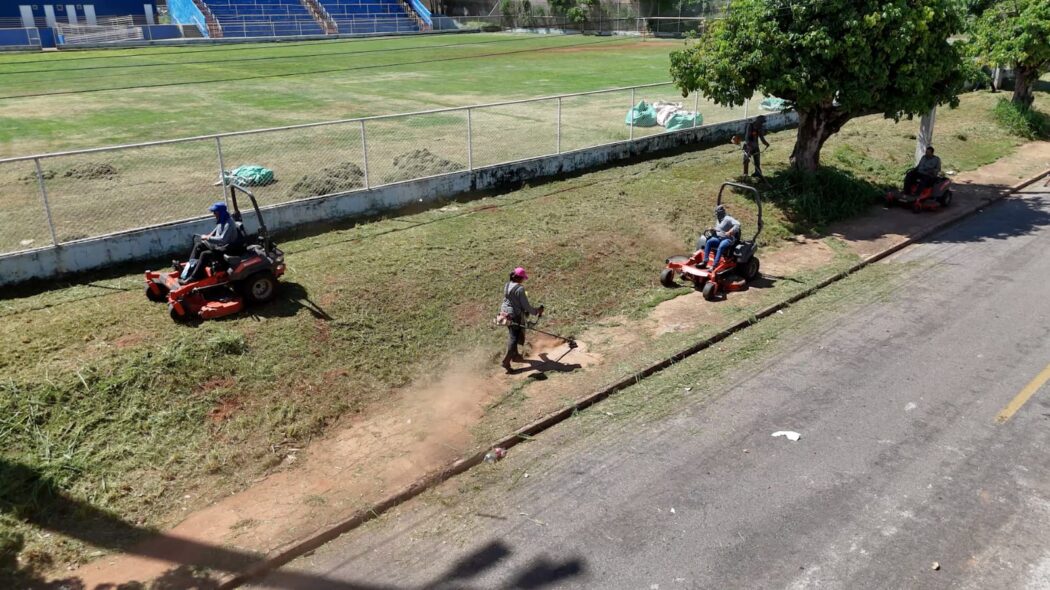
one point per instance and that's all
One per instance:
(32, 497)
(812, 201)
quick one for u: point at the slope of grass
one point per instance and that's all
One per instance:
(119, 409)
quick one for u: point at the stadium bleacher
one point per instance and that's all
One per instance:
(277, 18)
(365, 16)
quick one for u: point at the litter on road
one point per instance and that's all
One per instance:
(788, 434)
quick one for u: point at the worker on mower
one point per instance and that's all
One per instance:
(753, 133)
(727, 232)
(211, 245)
(513, 313)
(924, 175)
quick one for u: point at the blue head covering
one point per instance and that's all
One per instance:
(220, 209)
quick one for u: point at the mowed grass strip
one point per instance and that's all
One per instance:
(117, 407)
(361, 77)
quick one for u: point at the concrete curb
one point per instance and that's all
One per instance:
(290, 551)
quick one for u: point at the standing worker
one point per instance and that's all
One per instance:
(513, 313)
(753, 133)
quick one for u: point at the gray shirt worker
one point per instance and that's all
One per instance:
(224, 234)
(728, 228)
(929, 165)
(516, 301)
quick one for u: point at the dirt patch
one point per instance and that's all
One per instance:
(421, 163)
(472, 313)
(422, 426)
(685, 313)
(128, 340)
(216, 383)
(224, 410)
(340, 178)
(797, 256)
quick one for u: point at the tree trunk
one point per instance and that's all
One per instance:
(815, 126)
(1024, 79)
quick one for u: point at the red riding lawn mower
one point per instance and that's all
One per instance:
(734, 271)
(931, 198)
(246, 272)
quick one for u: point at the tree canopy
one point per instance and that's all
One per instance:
(834, 59)
(1016, 33)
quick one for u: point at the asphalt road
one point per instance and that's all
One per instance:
(901, 463)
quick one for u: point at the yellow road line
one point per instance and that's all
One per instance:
(1022, 397)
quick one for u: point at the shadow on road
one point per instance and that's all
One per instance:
(1010, 218)
(29, 496)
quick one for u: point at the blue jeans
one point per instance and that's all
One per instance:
(722, 244)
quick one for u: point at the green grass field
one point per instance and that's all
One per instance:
(86, 99)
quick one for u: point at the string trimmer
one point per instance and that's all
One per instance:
(568, 340)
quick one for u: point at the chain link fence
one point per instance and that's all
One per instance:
(54, 198)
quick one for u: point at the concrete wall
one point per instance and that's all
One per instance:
(174, 238)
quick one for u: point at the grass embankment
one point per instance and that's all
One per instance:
(109, 403)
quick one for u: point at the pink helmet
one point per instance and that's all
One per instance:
(519, 273)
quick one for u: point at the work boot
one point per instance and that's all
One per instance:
(506, 364)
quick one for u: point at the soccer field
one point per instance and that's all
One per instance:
(81, 99)
(98, 98)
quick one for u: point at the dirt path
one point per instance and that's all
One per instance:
(433, 422)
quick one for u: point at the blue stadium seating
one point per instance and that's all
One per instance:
(369, 16)
(265, 18)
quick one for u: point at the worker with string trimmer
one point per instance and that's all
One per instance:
(514, 313)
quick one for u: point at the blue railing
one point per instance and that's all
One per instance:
(422, 11)
(185, 12)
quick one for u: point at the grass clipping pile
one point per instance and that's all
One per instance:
(420, 164)
(340, 178)
(84, 171)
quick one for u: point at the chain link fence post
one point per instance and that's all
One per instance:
(558, 127)
(364, 150)
(747, 106)
(222, 169)
(696, 107)
(470, 143)
(43, 197)
(630, 112)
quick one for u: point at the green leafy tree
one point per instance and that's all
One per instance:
(560, 7)
(834, 59)
(1016, 33)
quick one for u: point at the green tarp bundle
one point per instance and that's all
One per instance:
(641, 115)
(250, 175)
(684, 120)
(772, 103)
